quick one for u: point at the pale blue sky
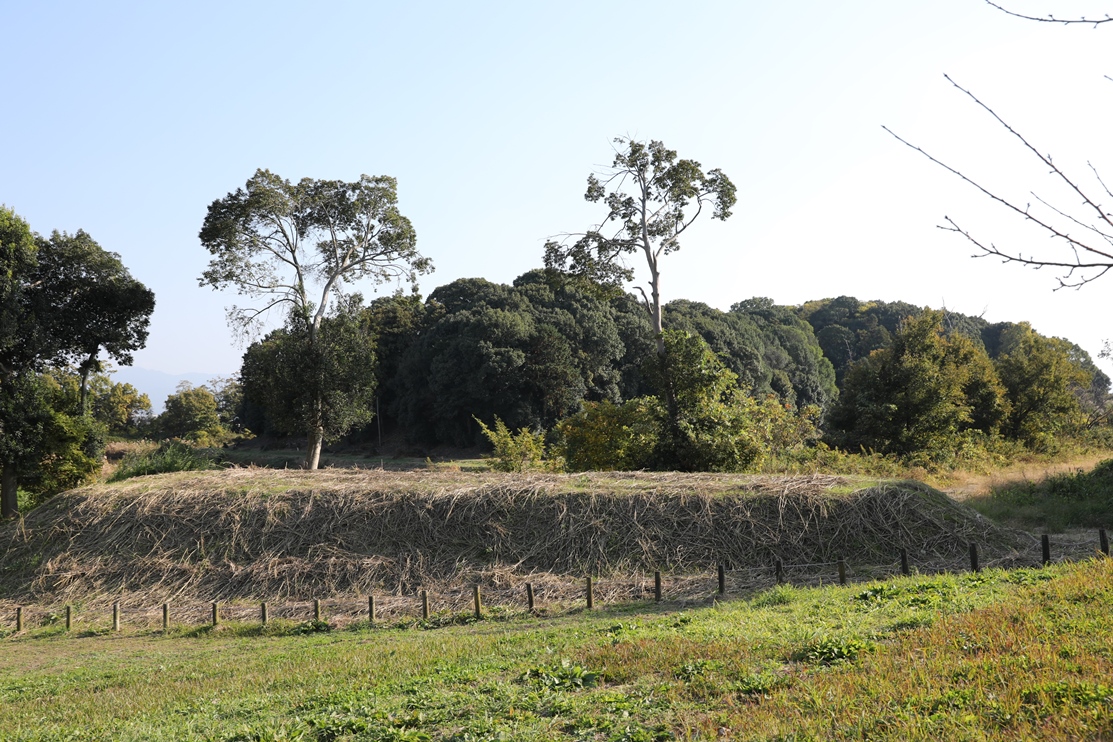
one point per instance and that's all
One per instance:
(127, 120)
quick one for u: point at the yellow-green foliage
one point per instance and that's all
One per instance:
(519, 451)
(610, 437)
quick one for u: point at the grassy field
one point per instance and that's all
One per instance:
(997, 655)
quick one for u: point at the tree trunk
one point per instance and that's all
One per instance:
(316, 441)
(9, 492)
(655, 314)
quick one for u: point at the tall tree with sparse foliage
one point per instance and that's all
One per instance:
(295, 247)
(652, 198)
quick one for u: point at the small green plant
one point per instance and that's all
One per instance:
(830, 650)
(692, 670)
(565, 676)
(761, 683)
(521, 451)
(170, 456)
(779, 595)
(313, 626)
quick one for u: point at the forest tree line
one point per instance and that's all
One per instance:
(544, 352)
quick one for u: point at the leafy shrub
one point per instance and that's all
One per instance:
(519, 451)
(610, 437)
(170, 456)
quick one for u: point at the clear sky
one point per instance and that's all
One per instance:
(128, 119)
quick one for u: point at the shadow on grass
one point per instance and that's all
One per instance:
(1079, 499)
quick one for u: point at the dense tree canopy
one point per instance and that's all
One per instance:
(65, 300)
(918, 393)
(94, 303)
(328, 384)
(528, 354)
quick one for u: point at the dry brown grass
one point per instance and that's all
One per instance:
(254, 534)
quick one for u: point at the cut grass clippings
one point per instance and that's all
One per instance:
(998, 655)
(270, 535)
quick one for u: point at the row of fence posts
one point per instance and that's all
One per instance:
(589, 596)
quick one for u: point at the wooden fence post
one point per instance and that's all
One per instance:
(116, 616)
(19, 618)
(974, 566)
(722, 580)
(780, 570)
(529, 597)
(478, 601)
(1103, 541)
(264, 613)
(165, 616)
(904, 570)
(1045, 542)
(316, 610)
(590, 594)
(371, 609)
(216, 613)
(657, 586)
(424, 605)
(842, 571)
(69, 617)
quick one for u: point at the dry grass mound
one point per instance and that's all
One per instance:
(264, 534)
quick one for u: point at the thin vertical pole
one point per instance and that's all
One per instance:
(478, 602)
(842, 571)
(657, 586)
(165, 616)
(780, 570)
(116, 616)
(529, 596)
(216, 613)
(316, 610)
(69, 617)
(1045, 542)
(974, 566)
(904, 570)
(1103, 540)
(722, 580)
(264, 614)
(19, 618)
(371, 609)
(424, 605)
(590, 594)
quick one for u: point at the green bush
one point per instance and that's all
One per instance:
(610, 437)
(170, 456)
(519, 451)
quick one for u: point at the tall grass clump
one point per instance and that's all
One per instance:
(1079, 499)
(170, 456)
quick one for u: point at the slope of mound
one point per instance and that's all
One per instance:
(252, 533)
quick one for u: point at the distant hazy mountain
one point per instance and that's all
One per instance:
(156, 384)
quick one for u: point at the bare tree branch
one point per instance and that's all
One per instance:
(1050, 18)
(1089, 262)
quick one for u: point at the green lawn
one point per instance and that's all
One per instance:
(998, 655)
